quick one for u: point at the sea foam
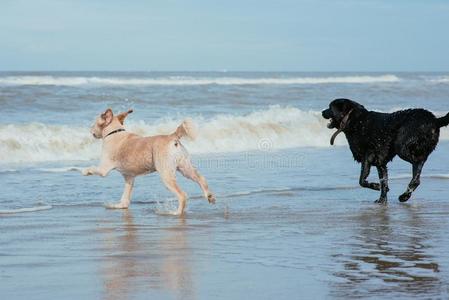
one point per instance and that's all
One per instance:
(24, 209)
(265, 130)
(440, 79)
(190, 80)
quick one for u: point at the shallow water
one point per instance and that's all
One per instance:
(300, 234)
(290, 220)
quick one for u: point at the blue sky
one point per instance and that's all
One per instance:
(301, 35)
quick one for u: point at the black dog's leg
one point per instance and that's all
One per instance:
(383, 178)
(364, 173)
(414, 183)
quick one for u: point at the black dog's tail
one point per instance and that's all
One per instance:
(443, 121)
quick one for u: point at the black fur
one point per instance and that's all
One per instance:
(376, 138)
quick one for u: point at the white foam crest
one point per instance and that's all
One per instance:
(37, 142)
(409, 176)
(189, 80)
(60, 170)
(271, 129)
(24, 209)
(440, 79)
(4, 171)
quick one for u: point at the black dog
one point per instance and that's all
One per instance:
(376, 138)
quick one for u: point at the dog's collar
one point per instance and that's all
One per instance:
(115, 131)
(342, 126)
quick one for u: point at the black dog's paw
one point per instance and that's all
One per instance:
(404, 197)
(381, 201)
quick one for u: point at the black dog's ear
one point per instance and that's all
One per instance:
(346, 105)
(356, 105)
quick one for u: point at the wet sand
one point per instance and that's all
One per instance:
(284, 227)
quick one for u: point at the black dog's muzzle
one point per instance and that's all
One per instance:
(342, 126)
(326, 113)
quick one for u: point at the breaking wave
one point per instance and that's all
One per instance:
(270, 129)
(440, 79)
(189, 80)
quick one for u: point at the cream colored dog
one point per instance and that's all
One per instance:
(133, 155)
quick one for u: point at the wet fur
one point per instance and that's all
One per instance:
(376, 138)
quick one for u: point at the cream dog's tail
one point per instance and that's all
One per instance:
(187, 129)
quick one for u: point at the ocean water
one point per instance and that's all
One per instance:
(290, 221)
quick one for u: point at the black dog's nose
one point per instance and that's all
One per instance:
(325, 114)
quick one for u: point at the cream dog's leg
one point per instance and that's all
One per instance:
(126, 196)
(101, 170)
(169, 179)
(188, 170)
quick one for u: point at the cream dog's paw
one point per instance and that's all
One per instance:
(86, 172)
(211, 198)
(178, 213)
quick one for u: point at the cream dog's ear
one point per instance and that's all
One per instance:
(121, 117)
(107, 116)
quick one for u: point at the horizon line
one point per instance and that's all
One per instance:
(216, 71)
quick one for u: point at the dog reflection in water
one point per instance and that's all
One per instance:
(141, 260)
(393, 247)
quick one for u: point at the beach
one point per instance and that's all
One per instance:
(290, 221)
